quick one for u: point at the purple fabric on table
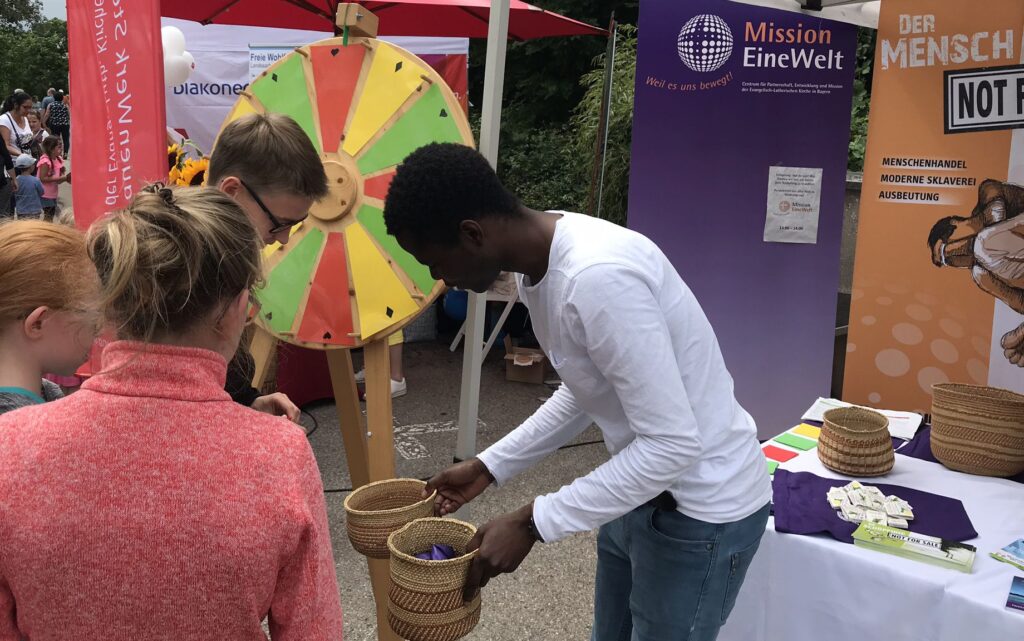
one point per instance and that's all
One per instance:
(438, 553)
(801, 508)
(920, 447)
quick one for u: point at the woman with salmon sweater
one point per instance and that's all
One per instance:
(148, 505)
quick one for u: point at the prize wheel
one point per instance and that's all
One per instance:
(341, 281)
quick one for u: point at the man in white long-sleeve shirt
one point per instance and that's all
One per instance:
(683, 501)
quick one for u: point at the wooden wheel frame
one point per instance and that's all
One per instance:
(341, 282)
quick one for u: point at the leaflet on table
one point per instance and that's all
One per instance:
(1016, 599)
(914, 546)
(1012, 554)
(901, 424)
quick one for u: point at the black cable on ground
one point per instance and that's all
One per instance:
(316, 423)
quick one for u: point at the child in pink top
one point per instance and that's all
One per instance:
(148, 505)
(50, 169)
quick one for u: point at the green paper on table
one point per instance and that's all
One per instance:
(794, 441)
(772, 466)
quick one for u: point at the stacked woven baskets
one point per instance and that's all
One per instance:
(978, 430)
(855, 441)
(425, 602)
(377, 509)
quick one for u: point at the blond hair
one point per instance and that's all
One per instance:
(270, 152)
(65, 217)
(173, 257)
(43, 265)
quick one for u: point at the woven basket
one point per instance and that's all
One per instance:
(978, 430)
(856, 442)
(425, 600)
(377, 509)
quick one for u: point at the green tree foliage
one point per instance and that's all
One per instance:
(538, 157)
(20, 15)
(585, 126)
(35, 50)
(541, 76)
(866, 39)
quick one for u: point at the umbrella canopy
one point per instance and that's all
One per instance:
(453, 18)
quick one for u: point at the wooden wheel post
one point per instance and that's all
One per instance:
(262, 349)
(381, 461)
(369, 450)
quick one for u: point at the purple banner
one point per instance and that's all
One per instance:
(725, 92)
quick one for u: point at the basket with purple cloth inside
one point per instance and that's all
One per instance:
(978, 430)
(375, 510)
(425, 600)
(855, 441)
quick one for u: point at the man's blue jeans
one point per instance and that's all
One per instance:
(663, 576)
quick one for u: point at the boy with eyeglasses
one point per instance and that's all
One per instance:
(269, 166)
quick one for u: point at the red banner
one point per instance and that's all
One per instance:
(118, 131)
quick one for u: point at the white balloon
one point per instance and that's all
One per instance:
(173, 40)
(176, 70)
(190, 60)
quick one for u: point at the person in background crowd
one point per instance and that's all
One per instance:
(15, 131)
(50, 93)
(35, 123)
(58, 118)
(48, 311)
(51, 174)
(29, 197)
(246, 165)
(8, 182)
(148, 505)
(39, 133)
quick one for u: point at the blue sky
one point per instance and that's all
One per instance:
(55, 9)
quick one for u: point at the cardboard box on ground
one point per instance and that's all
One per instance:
(524, 364)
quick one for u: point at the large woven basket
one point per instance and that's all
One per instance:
(425, 601)
(856, 442)
(377, 509)
(978, 430)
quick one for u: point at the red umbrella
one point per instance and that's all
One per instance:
(456, 18)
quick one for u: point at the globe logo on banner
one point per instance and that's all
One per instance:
(705, 43)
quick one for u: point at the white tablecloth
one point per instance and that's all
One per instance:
(814, 588)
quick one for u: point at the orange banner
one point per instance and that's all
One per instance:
(938, 291)
(118, 129)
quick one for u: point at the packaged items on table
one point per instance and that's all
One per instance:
(857, 503)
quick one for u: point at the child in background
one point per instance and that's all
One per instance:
(48, 309)
(39, 133)
(28, 201)
(35, 123)
(51, 174)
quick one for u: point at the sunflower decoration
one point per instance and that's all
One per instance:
(175, 154)
(193, 172)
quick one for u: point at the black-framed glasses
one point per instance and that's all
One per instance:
(276, 225)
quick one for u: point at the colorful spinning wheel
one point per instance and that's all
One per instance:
(342, 281)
